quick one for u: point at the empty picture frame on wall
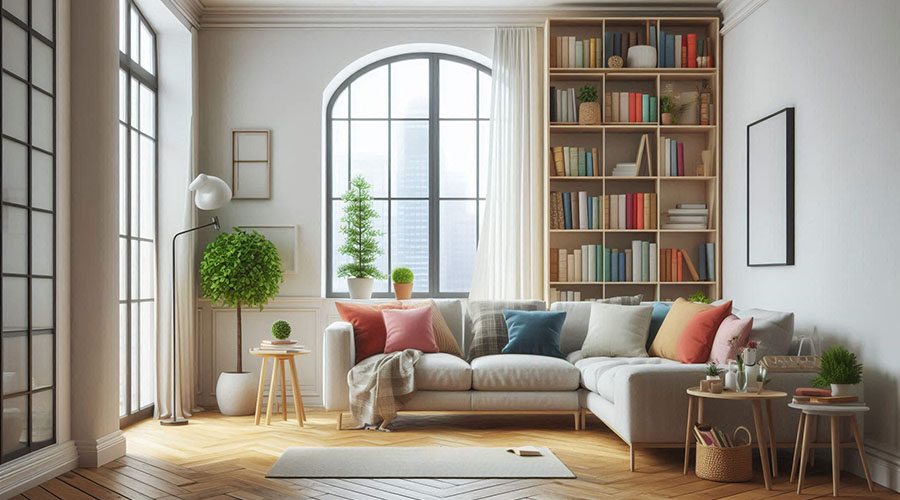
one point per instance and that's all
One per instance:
(770, 190)
(250, 164)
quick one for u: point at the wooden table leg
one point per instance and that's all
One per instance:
(804, 452)
(797, 446)
(272, 385)
(772, 448)
(862, 451)
(259, 392)
(283, 392)
(687, 433)
(701, 417)
(298, 398)
(761, 442)
(835, 455)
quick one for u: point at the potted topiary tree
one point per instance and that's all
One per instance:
(281, 330)
(589, 109)
(403, 282)
(840, 370)
(239, 269)
(360, 240)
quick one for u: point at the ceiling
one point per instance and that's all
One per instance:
(449, 4)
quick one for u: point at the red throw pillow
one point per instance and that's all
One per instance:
(697, 338)
(409, 329)
(369, 333)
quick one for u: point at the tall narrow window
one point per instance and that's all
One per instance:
(416, 127)
(28, 261)
(137, 213)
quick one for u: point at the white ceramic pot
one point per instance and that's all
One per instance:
(236, 393)
(843, 390)
(360, 288)
(641, 56)
(713, 377)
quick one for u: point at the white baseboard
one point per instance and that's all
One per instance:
(28, 471)
(101, 451)
(883, 466)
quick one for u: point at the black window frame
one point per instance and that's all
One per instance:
(434, 198)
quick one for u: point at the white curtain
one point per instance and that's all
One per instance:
(509, 262)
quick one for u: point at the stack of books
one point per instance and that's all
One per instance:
(631, 211)
(617, 44)
(280, 346)
(567, 52)
(557, 295)
(673, 156)
(712, 436)
(625, 170)
(816, 396)
(683, 51)
(629, 107)
(688, 216)
(563, 105)
(575, 210)
(576, 161)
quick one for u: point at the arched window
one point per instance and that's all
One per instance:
(416, 127)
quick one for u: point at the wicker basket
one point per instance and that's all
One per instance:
(726, 465)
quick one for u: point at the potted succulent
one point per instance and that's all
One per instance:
(403, 282)
(699, 297)
(281, 330)
(589, 109)
(712, 372)
(239, 269)
(361, 240)
(840, 370)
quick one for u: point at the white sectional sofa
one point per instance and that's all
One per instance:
(642, 400)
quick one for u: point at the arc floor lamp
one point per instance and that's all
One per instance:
(210, 193)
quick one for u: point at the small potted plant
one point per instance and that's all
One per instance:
(669, 110)
(589, 109)
(403, 282)
(699, 297)
(840, 370)
(361, 240)
(712, 372)
(762, 379)
(281, 330)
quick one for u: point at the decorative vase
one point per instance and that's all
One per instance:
(752, 374)
(236, 393)
(641, 56)
(667, 118)
(750, 357)
(589, 113)
(730, 382)
(741, 380)
(713, 377)
(403, 291)
(843, 390)
(360, 288)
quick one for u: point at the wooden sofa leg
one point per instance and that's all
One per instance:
(583, 418)
(577, 416)
(340, 418)
(631, 457)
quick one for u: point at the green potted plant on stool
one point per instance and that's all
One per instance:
(239, 269)
(840, 370)
(361, 240)
(589, 109)
(281, 330)
(403, 282)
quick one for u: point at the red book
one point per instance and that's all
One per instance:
(680, 152)
(632, 106)
(680, 266)
(812, 391)
(639, 210)
(684, 63)
(692, 50)
(629, 211)
(673, 271)
(638, 105)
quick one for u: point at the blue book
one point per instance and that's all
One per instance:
(590, 212)
(654, 117)
(621, 266)
(673, 159)
(615, 266)
(645, 108)
(670, 51)
(567, 209)
(607, 47)
(607, 264)
(599, 276)
(617, 44)
(661, 50)
(711, 261)
(702, 270)
(645, 261)
(589, 163)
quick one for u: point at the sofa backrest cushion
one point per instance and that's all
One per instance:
(369, 333)
(617, 331)
(665, 345)
(774, 331)
(409, 329)
(696, 340)
(534, 332)
(487, 334)
(444, 336)
(574, 330)
(452, 311)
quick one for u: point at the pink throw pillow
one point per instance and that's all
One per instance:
(409, 329)
(731, 327)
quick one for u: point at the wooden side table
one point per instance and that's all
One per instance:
(696, 398)
(835, 412)
(278, 360)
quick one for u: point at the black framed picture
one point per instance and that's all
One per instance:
(770, 190)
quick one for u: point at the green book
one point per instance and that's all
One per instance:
(582, 162)
(653, 115)
(566, 156)
(579, 54)
(607, 264)
(573, 161)
(600, 254)
(595, 215)
(645, 261)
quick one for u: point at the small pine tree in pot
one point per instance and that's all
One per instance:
(360, 240)
(589, 109)
(239, 269)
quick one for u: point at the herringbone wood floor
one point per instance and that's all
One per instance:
(220, 457)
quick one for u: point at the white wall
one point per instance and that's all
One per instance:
(837, 62)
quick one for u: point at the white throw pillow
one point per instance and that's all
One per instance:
(774, 331)
(618, 331)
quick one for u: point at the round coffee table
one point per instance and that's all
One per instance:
(696, 397)
(278, 359)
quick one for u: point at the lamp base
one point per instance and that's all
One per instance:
(174, 421)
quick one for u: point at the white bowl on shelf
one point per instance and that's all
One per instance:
(641, 56)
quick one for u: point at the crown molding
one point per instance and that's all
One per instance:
(189, 10)
(735, 11)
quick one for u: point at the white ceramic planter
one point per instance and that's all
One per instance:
(236, 393)
(843, 390)
(641, 56)
(360, 288)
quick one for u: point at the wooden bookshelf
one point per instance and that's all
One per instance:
(618, 142)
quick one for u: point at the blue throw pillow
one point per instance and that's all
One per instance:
(660, 311)
(534, 332)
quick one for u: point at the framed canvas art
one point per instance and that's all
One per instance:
(250, 164)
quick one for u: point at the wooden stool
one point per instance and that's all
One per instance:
(278, 359)
(804, 440)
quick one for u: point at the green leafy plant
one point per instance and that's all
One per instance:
(240, 269)
(699, 297)
(839, 366)
(402, 275)
(360, 233)
(588, 93)
(712, 370)
(281, 329)
(667, 104)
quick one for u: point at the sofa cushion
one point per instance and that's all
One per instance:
(660, 310)
(443, 372)
(773, 330)
(599, 374)
(731, 327)
(574, 330)
(616, 330)
(623, 300)
(534, 332)
(408, 329)
(443, 335)
(665, 345)
(489, 325)
(523, 372)
(369, 333)
(696, 341)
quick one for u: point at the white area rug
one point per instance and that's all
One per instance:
(430, 462)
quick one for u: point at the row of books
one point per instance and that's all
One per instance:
(567, 52)
(617, 44)
(576, 161)
(682, 51)
(579, 210)
(596, 263)
(563, 105)
(629, 107)
(712, 436)
(687, 216)
(557, 295)
(673, 156)
(676, 265)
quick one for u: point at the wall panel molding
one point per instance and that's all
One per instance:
(33, 469)
(735, 11)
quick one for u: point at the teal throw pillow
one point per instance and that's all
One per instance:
(534, 332)
(660, 310)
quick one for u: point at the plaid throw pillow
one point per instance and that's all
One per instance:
(489, 325)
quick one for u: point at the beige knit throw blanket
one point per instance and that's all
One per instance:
(379, 386)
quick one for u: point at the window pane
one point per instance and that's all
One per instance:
(42, 17)
(15, 426)
(339, 109)
(15, 49)
(148, 278)
(409, 239)
(123, 268)
(135, 356)
(338, 285)
(458, 156)
(381, 262)
(15, 108)
(42, 416)
(41, 120)
(457, 245)
(484, 95)
(369, 94)
(18, 8)
(148, 116)
(135, 172)
(41, 180)
(15, 172)
(41, 243)
(339, 157)
(42, 359)
(123, 359)
(41, 303)
(123, 25)
(409, 89)
(15, 240)
(123, 98)
(409, 159)
(15, 363)
(135, 51)
(135, 95)
(41, 64)
(369, 153)
(123, 179)
(458, 82)
(135, 269)
(147, 193)
(148, 50)
(148, 354)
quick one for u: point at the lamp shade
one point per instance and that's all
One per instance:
(210, 192)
